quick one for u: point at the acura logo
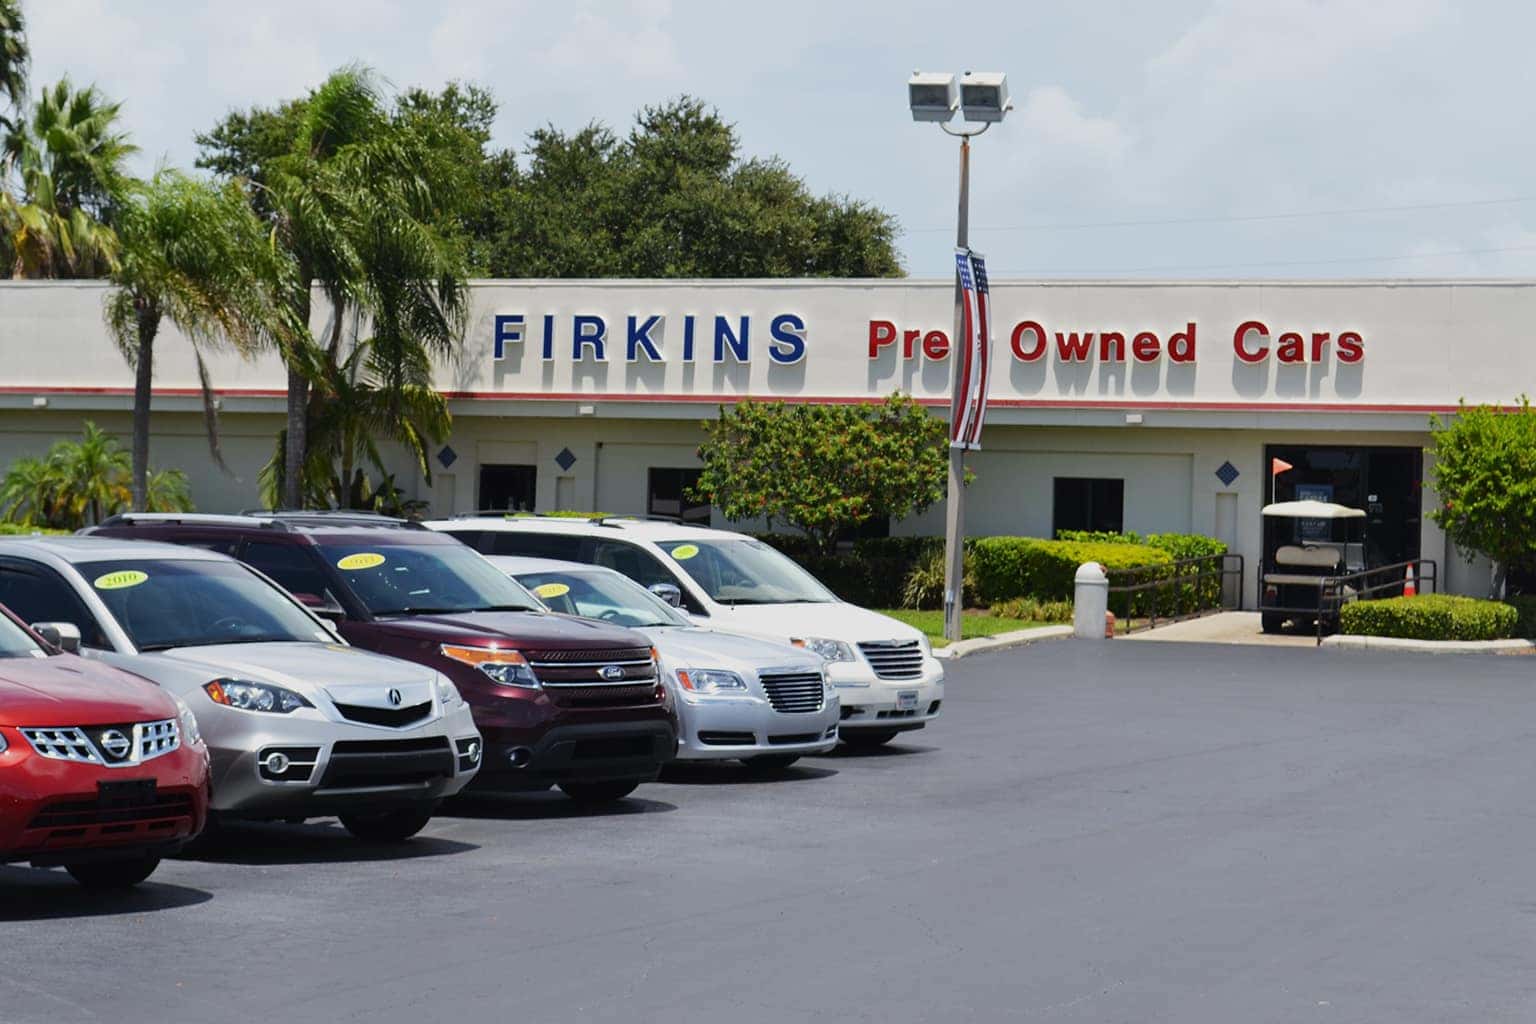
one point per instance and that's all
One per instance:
(611, 673)
(395, 697)
(116, 744)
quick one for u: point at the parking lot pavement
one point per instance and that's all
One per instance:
(1228, 628)
(1093, 832)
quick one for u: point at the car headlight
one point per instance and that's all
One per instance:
(925, 645)
(447, 694)
(249, 696)
(189, 730)
(3, 744)
(832, 650)
(710, 680)
(827, 684)
(506, 668)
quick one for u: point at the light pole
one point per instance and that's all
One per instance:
(982, 98)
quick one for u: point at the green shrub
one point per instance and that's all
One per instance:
(1525, 607)
(1430, 617)
(924, 585)
(22, 530)
(1008, 567)
(1027, 609)
(874, 574)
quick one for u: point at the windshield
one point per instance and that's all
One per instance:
(601, 595)
(15, 643)
(164, 603)
(746, 572)
(420, 579)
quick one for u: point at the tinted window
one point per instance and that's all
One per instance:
(595, 595)
(639, 565)
(37, 594)
(399, 579)
(668, 495)
(291, 565)
(162, 603)
(566, 547)
(746, 572)
(1082, 503)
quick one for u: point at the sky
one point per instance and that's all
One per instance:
(1169, 140)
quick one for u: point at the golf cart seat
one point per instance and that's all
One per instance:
(1311, 556)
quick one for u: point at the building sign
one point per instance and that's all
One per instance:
(650, 337)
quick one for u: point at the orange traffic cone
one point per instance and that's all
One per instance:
(1409, 590)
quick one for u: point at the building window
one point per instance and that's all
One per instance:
(1083, 503)
(508, 488)
(668, 496)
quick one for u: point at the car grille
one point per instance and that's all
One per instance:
(394, 718)
(894, 659)
(603, 696)
(794, 692)
(361, 763)
(596, 678)
(113, 746)
(721, 738)
(86, 813)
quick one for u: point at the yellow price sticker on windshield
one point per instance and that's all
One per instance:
(547, 590)
(683, 552)
(120, 580)
(361, 560)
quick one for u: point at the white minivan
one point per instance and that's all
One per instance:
(886, 675)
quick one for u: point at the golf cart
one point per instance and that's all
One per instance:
(1308, 546)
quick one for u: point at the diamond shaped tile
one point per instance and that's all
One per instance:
(1226, 473)
(447, 456)
(566, 459)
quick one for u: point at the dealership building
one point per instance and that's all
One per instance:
(1146, 406)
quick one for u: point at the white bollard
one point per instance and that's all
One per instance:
(1090, 601)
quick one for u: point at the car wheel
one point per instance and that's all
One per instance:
(769, 764)
(1271, 623)
(598, 792)
(388, 826)
(114, 874)
(861, 740)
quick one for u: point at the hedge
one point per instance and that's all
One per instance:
(874, 574)
(1525, 607)
(1430, 617)
(1008, 567)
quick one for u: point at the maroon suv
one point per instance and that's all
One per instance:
(559, 701)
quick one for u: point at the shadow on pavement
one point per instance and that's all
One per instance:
(843, 752)
(733, 773)
(44, 894)
(319, 842)
(542, 806)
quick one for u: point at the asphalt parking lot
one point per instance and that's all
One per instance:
(1094, 832)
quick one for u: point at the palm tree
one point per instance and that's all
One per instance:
(195, 254)
(31, 491)
(14, 58)
(83, 482)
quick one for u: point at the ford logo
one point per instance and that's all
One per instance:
(116, 744)
(396, 698)
(611, 673)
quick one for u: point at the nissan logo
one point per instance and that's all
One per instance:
(116, 744)
(395, 697)
(611, 673)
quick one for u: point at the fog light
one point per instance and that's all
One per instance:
(473, 753)
(277, 762)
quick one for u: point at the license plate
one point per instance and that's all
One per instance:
(906, 701)
(126, 793)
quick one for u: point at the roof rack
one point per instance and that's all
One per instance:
(595, 518)
(282, 519)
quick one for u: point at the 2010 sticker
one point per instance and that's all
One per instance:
(683, 552)
(120, 580)
(361, 560)
(548, 590)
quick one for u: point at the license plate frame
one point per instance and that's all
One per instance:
(120, 793)
(906, 700)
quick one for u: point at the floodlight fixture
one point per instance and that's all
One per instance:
(984, 96)
(932, 97)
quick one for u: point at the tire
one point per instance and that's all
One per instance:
(114, 874)
(868, 740)
(597, 793)
(388, 826)
(1271, 623)
(770, 764)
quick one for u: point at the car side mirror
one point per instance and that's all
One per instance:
(64, 636)
(324, 607)
(668, 592)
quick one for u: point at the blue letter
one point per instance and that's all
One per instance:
(724, 337)
(688, 338)
(641, 338)
(549, 336)
(788, 330)
(508, 328)
(589, 330)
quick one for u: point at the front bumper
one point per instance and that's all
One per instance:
(870, 703)
(334, 768)
(607, 752)
(726, 728)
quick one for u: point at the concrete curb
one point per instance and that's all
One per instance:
(1001, 642)
(1389, 643)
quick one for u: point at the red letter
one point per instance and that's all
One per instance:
(1181, 344)
(935, 344)
(908, 339)
(1018, 337)
(1107, 339)
(1145, 347)
(1351, 347)
(1319, 339)
(881, 333)
(1290, 348)
(1242, 331)
(1072, 348)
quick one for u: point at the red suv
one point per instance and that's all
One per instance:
(100, 771)
(559, 701)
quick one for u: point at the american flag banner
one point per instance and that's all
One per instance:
(969, 408)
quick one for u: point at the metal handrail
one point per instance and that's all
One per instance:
(1331, 598)
(1208, 570)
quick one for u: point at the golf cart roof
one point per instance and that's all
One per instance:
(1312, 510)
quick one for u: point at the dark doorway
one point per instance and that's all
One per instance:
(508, 488)
(1386, 482)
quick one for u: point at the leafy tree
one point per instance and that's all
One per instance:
(82, 482)
(195, 254)
(824, 468)
(15, 56)
(1485, 475)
